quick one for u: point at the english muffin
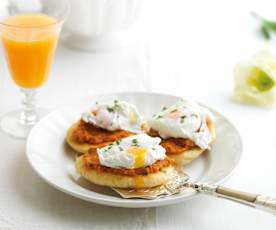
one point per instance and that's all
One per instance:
(104, 124)
(134, 162)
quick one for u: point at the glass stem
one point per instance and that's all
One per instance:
(28, 115)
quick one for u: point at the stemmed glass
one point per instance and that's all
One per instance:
(29, 32)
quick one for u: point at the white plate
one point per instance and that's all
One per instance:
(50, 157)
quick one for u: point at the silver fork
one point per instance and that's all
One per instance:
(258, 201)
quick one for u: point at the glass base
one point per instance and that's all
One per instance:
(11, 124)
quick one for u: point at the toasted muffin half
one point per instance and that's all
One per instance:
(154, 175)
(181, 150)
(83, 136)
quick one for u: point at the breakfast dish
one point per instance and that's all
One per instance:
(118, 154)
(137, 161)
(186, 129)
(53, 161)
(104, 124)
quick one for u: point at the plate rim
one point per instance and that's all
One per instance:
(126, 203)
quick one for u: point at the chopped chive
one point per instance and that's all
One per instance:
(110, 109)
(135, 142)
(164, 108)
(183, 119)
(159, 116)
(121, 149)
(118, 142)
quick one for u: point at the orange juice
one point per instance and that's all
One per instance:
(29, 42)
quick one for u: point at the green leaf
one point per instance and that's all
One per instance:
(265, 32)
(269, 24)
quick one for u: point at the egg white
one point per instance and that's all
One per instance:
(185, 119)
(117, 154)
(116, 115)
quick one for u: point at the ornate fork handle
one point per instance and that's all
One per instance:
(256, 201)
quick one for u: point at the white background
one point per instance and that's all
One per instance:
(181, 47)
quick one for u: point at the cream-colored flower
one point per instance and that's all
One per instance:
(255, 80)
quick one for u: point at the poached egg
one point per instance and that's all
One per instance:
(116, 115)
(132, 152)
(185, 119)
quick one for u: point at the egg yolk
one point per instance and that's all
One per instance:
(132, 117)
(139, 154)
(173, 115)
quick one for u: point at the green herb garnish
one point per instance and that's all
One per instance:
(110, 109)
(115, 107)
(116, 104)
(135, 142)
(118, 142)
(159, 116)
(164, 108)
(183, 118)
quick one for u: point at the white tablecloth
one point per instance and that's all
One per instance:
(186, 48)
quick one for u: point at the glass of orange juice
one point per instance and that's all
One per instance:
(29, 31)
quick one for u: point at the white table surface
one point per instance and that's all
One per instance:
(186, 48)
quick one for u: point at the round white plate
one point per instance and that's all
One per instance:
(53, 160)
